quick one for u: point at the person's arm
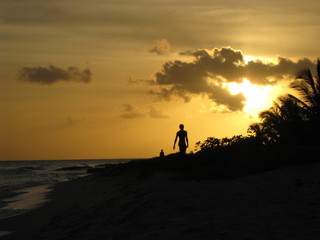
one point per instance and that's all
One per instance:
(187, 140)
(175, 140)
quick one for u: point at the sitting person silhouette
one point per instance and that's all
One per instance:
(183, 140)
(161, 153)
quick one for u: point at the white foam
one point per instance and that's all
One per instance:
(31, 198)
(3, 233)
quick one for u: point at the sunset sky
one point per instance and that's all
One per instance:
(104, 79)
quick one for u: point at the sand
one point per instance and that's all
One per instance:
(279, 204)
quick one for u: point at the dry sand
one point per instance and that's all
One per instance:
(279, 204)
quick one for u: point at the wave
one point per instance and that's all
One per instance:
(73, 168)
(15, 175)
(28, 169)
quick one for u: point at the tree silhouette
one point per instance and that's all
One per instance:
(259, 132)
(292, 120)
(309, 89)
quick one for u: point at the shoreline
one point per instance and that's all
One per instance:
(23, 178)
(278, 204)
(24, 200)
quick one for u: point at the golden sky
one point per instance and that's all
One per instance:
(87, 79)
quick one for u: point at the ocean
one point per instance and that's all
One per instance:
(23, 184)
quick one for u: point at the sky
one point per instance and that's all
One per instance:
(105, 79)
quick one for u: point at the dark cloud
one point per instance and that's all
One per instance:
(52, 74)
(264, 73)
(131, 112)
(229, 64)
(142, 81)
(211, 69)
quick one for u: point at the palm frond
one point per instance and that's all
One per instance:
(304, 89)
(318, 75)
(298, 101)
(270, 117)
(307, 77)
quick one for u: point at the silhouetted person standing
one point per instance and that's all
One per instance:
(183, 140)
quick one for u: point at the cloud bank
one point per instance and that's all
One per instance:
(210, 70)
(52, 74)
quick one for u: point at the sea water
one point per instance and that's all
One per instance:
(23, 184)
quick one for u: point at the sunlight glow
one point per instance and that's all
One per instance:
(257, 97)
(247, 58)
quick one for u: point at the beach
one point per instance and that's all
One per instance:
(23, 184)
(283, 203)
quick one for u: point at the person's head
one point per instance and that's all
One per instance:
(181, 126)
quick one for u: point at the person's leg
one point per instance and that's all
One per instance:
(183, 149)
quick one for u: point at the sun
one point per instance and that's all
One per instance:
(257, 98)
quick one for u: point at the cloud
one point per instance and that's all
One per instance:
(207, 22)
(52, 74)
(210, 70)
(161, 47)
(154, 113)
(131, 112)
(229, 64)
(141, 81)
(73, 121)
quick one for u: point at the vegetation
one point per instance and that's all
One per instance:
(287, 134)
(292, 120)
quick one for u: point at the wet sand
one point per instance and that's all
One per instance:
(278, 204)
